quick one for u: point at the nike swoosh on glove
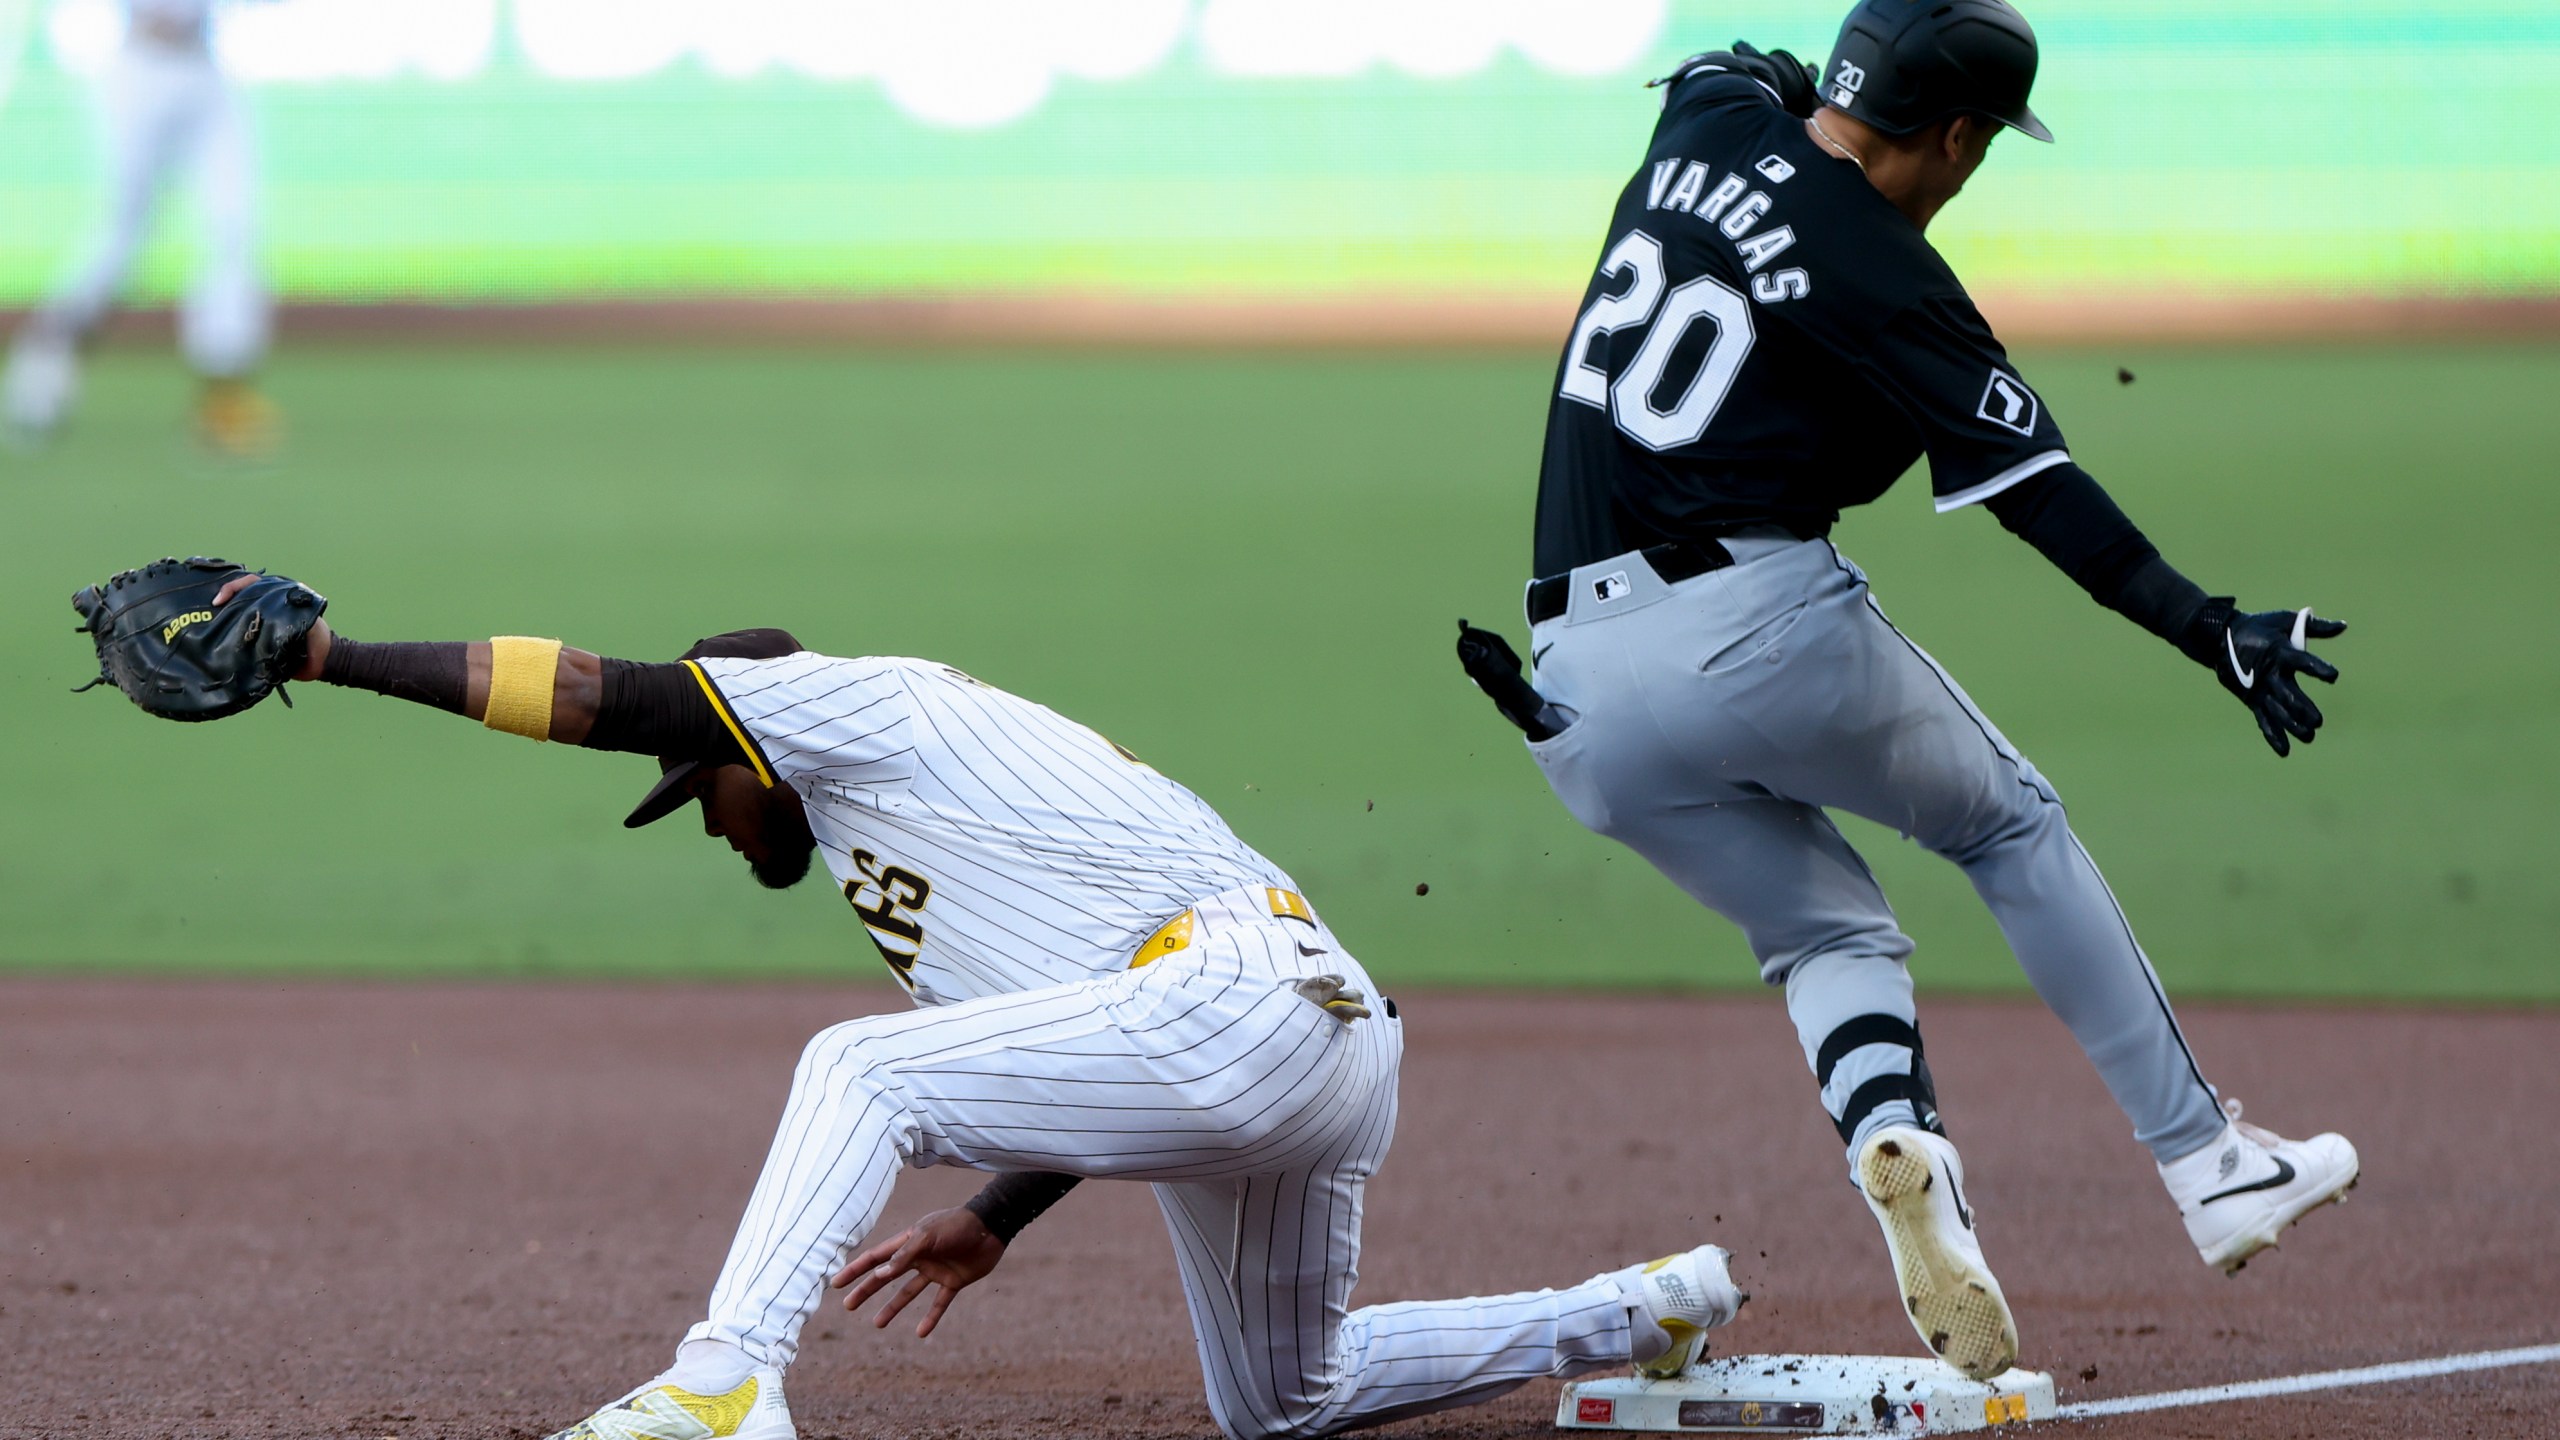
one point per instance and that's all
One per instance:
(2257, 657)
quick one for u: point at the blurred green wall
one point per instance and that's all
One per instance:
(450, 149)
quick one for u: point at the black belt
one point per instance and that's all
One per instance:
(1674, 562)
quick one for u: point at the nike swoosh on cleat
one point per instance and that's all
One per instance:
(2283, 1176)
(1540, 654)
(1964, 1212)
(2244, 674)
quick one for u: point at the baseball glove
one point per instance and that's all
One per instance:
(163, 643)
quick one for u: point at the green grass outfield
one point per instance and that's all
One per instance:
(1246, 569)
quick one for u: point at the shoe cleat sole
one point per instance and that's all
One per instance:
(1953, 1302)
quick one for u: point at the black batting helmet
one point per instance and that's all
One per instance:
(1903, 64)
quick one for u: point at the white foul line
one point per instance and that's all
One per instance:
(2324, 1380)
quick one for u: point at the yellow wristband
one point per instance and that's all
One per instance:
(522, 671)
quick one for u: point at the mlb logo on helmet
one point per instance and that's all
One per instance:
(1846, 82)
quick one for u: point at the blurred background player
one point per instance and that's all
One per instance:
(164, 105)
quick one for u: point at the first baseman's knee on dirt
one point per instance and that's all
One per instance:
(1263, 1416)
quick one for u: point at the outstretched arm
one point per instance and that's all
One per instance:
(575, 696)
(455, 675)
(2075, 524)
(1992, 441)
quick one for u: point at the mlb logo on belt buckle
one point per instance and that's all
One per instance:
(1612, 586)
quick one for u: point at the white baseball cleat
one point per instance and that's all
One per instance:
(1914, 1182)
(1676, 1300)
(754, 1410)
(2240, 1192)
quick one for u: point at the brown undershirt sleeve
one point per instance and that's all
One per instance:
(1016, 1198)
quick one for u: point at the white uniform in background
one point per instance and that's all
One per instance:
(1110, 984)
(165, 106)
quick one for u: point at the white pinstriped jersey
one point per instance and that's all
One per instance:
(1009, 863)
(989, 844)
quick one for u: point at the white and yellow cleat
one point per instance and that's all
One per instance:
(1676, 1300)
(1914, 1182)
(659, 1411)
(234, 421)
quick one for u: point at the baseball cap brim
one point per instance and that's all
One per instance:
(666, 797)
(2026, 123)
(672, 793)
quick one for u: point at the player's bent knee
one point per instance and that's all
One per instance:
(830, 1046)
(1308, 1406)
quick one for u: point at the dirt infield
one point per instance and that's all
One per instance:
(303, 1209)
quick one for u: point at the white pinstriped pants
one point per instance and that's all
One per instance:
(1259, 1118)
(164, 111)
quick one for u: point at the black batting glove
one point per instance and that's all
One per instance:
(1793, 79)
(1490, 661)
(2256, 657)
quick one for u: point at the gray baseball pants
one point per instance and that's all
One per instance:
(1713, 721)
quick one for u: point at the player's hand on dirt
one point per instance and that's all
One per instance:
(945, 1252)
(2257, 657)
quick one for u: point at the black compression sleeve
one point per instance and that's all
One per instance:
(1016, 1198)
(660, 710)
(2073, 522)
(430, 672)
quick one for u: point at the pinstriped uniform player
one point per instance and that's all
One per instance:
(1110, 984)
(165, 105)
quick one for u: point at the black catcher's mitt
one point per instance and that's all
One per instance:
(161, 641)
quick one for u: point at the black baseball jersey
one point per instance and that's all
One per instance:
(1767, 340)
